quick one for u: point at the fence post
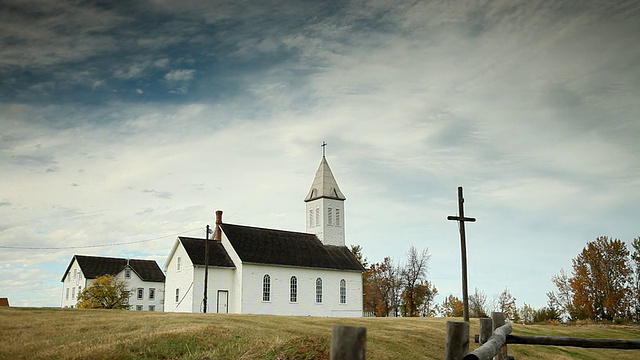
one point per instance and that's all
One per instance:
(486, 329)
(348, 342)
(498, 320)
(457, 343)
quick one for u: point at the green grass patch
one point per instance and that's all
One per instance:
(117, 334)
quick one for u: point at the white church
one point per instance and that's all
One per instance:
(254, 270)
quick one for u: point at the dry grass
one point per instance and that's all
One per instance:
(112, 334)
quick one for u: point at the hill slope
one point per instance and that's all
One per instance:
(100, 334)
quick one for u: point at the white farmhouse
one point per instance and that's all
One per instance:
(255, 270)
(143, 279)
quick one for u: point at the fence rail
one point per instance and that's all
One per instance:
(622, 344)
(495, 335)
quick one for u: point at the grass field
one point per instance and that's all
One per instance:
(27, 333)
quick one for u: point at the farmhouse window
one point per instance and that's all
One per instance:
(318, 290)
(177, 295)
(293, 295)
(140, 293)
(152, 294)
(139, 307)
(127, 273)
(266, 288)
(178, 263)
(73, 293)
(67, 297)
(343, 291)
(152, 308)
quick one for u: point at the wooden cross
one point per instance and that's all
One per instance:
(324, 144)
(463, 245)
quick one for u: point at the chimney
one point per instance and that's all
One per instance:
(217, 235)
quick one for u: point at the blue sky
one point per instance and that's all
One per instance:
(123, 122)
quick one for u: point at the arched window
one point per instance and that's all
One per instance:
(318, 290)
(330, 216)
(337, 216)
(293, 289)
(266, 288)
(317, 216)
(310, 217)
(343, 292)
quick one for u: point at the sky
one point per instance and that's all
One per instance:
(131, 123)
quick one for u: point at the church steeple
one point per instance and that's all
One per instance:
(324, 184)
(325, 206)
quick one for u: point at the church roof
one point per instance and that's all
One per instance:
(195, 249)
(95, 266)
(279, 247)
(324, 184)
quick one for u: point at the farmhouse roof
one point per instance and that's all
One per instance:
(324, 184)
(95, 266)
(195, 249)
(279, 247)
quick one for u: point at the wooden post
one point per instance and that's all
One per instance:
(498, 320)
(457, 343)
(348, 342)
(463, 251)
(486, 329)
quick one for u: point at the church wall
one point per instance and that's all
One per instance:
(181, 279)
(219, 279)
(236, 295)
(306, 304)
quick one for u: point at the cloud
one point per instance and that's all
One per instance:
(180, 75)
(159, 194)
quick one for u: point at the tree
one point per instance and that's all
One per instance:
(526, 314)
(635, 286)
(451, 306)
(377, 290)
(425, 294)
(356, 250)
(396, 284)
(105, 292)
(506, 304)
(478, 304)
(562, 299)
(600, 280)
(413, 272)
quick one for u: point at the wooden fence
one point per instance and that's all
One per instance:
(495, 335)
(349, 342)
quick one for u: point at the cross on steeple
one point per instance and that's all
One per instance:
(324, 145)
(463, 249)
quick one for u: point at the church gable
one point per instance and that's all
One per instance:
(287, 248)
(195, 249)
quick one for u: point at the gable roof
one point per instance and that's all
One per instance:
(217, 254)
(324, 184)
(95, 266)
(279, 247)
